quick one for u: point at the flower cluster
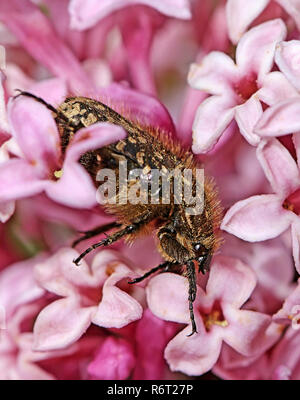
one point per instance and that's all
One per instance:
(229, 79)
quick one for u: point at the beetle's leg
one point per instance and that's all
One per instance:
(164, 266)
(107, 241)
(96, 231)
(114, 237)
(191, 275)
(204, 263)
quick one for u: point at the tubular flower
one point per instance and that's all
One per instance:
(235, 86)
(218, 315)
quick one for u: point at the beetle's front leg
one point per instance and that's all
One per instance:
(191, 275)
(172, 248)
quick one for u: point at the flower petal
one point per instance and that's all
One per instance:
(75, 179)
(99, 71)
(279, 166)
(232, 365)
(240, 280)
(4, 126)
(257, 218)
(61, 324)
(193, 355)
(107, 262)
(38, 138)
(296, 243)
(290, 311)
(145, 109)
(117, 308)
(214, 74)
(19, 276)
(276, 88)
(7, 208)
(74, 188)
(18, 179)
(151, 363)
(246, 116)
(137, 33)
(287, 59)
(167, 297)
(53, 91)
(212, 118)
(85, 14)
(36, 34)
(246, 331)
(256, 49)
(240, 17)
(285, 357)
(280, 119)
(93, 137)
(292, 8)
(58, 275)
(114, 359)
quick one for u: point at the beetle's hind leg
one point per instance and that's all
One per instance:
(96, 231)
(114, 237)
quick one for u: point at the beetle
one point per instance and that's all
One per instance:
(185, 240)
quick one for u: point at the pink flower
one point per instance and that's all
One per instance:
(282, 117)
(20, 277)
(264, 217)
(17, 307)
(213, 37)
(76, 57)
(38, 140)
(99, 354)
(290, 311)
(7, 207)
(85, 14)
(150, 363)
(34, 171)
(218, 315)
(131, 353)
(59, 321)
(88, 296)
(274, 283)
(235, 167)
(4, 127)
(239, 17)
(138, 106)
(137, 25)
(236, 87)
(285, 359)
(37, 35)
(114, 360)
(282, 362)
(234, 366)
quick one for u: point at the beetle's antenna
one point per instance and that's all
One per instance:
(42, 101)
(39, 99)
